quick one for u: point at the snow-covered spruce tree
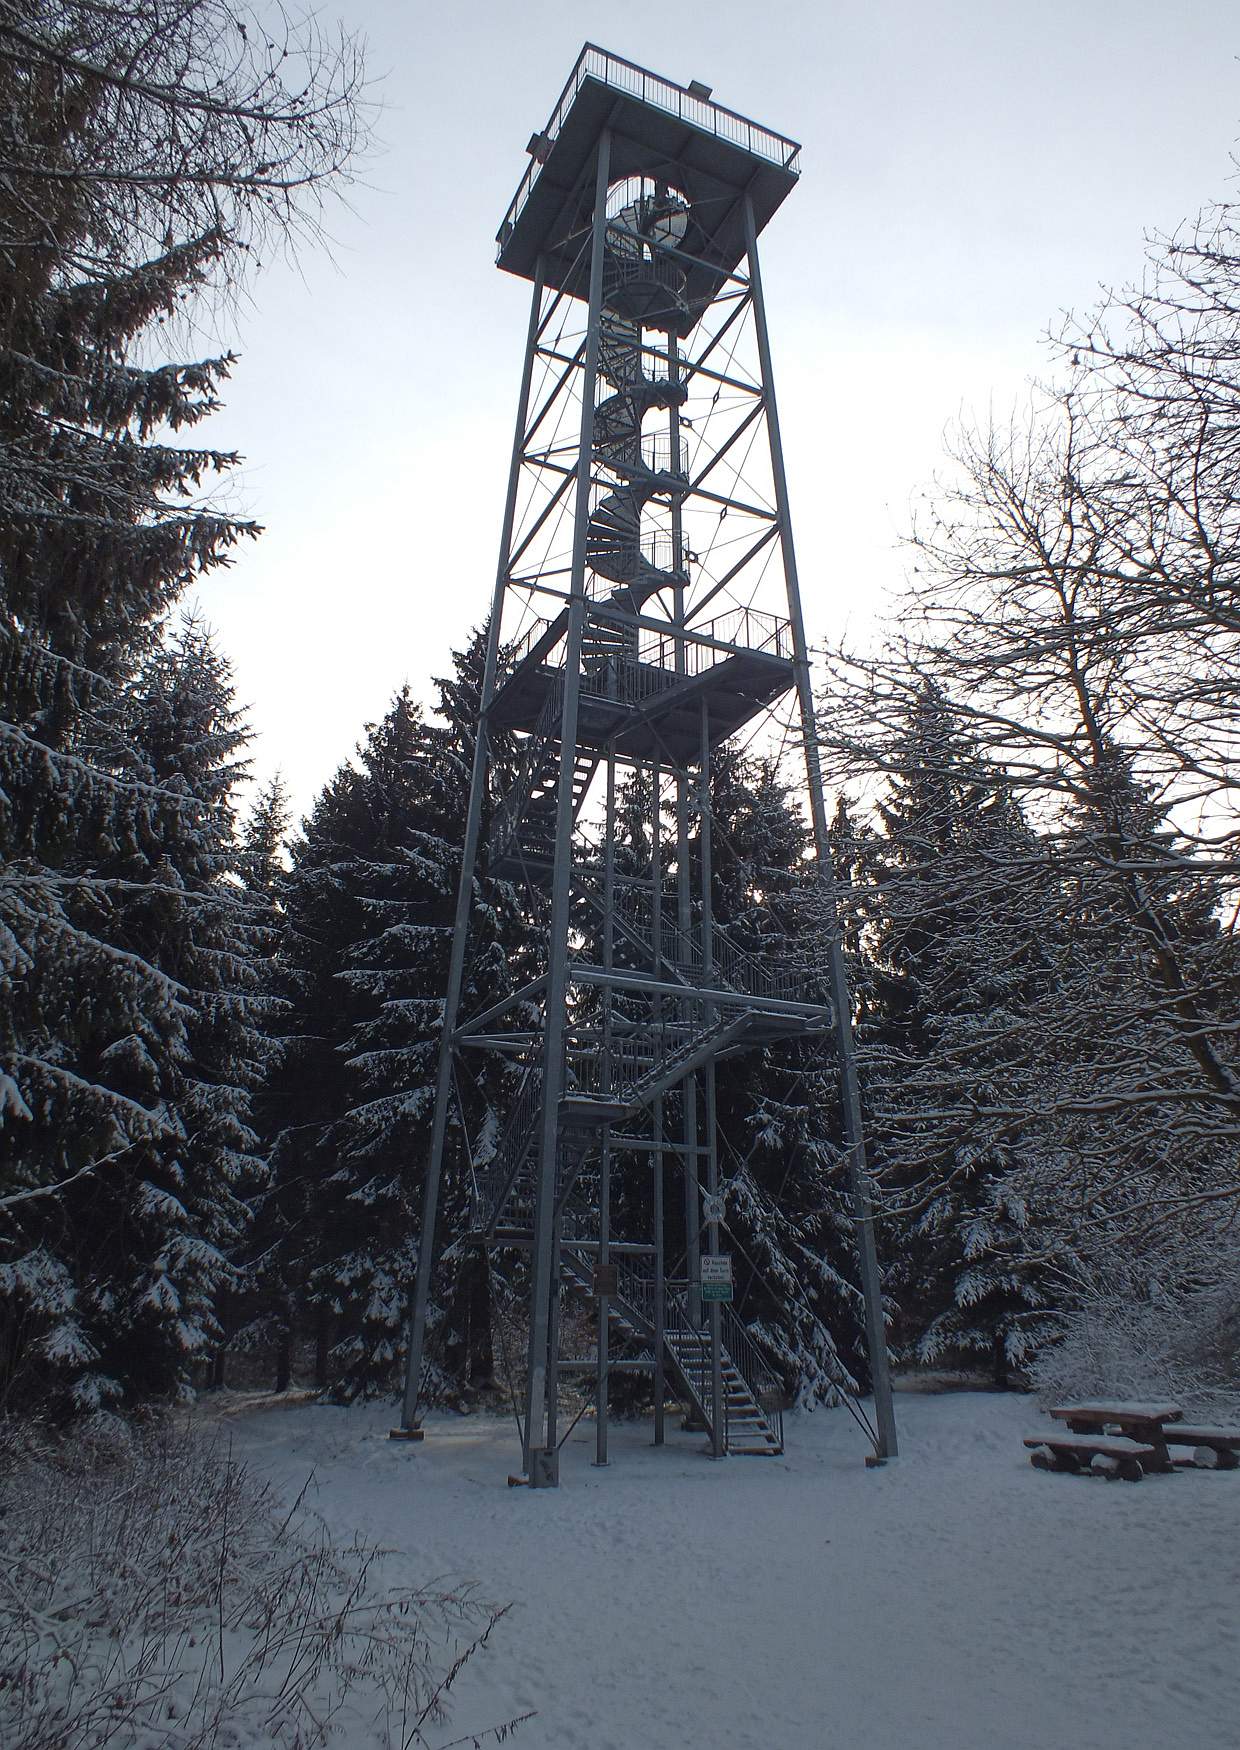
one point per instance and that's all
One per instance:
(1140, 918)
(259, 1311)
(370, 904)
(185, 912)
(147, 1244)
(95, 539)
(141, 154)
(961, 936)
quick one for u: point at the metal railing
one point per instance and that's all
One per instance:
(596, 1073)
(508, 1183)
(636, 1285)
(660, 551)
(633, 263)
(764, 1387)
(512, 659)
(627, 446)
(730, 964)
(636, 1066)
(656, 452)
(621, 75)
(739, 629)
(620, 680)
(690, 1349)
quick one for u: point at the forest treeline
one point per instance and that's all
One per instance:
(219, 1031)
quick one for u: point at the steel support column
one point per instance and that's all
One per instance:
(718, 1413)
(854, 1129)
(539, 1387)
(604, 1184)
(464, 897)
(660, 1265)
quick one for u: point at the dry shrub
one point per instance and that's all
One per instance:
(1183, 1346)
(154, 1593)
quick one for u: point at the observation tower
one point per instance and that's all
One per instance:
(646, 612)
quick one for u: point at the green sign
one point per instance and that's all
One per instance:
(716, 1278)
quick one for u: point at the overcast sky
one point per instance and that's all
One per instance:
(969, 170)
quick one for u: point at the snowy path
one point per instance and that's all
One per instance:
(954, 1600)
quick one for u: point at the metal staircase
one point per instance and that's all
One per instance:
(645, 1064)
(640, 288)
(523, 829)
(679, 953)
(753, 1423)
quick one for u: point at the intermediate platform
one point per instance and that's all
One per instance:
(649, 709)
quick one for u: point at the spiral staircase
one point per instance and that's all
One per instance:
(642, 288)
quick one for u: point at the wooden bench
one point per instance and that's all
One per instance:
(1142, 1422)
(1224, 1443)
(1129, 1459)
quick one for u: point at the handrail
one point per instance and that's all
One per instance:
(764, 1387)
(637, 1062)
(739, 629)
(734, 966)
(694, 1363)
(693, 1357)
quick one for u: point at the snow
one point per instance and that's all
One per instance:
(956, 1598)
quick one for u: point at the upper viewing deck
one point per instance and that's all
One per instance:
(709, 154)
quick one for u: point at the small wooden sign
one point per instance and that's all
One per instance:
(606, 1279)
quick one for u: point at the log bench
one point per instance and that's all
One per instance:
(1121, 1457)
(1224, 1443)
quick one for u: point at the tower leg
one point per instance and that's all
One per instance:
(660, 1266)
(854, 1130)
(542, 1262)
(718, 1411)
(464, 895)
(604, 1194)
(689, 1011)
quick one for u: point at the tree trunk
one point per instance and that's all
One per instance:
(322, 1346)
(284, 1354)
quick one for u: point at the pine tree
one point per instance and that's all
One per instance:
(144, 1244)
(371, 902)
(261, 1312)
(96, 537)
(123, 195)
(962, 933)
(1140, 923)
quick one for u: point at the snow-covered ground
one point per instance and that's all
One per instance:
(956, 1599)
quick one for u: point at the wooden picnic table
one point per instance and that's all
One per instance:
(1143, 1422)
(1127, 1439)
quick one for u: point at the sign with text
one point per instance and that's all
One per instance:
(716, 1278)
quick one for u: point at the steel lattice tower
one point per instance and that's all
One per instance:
(646, 511)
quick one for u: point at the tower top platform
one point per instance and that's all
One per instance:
(667, 132)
